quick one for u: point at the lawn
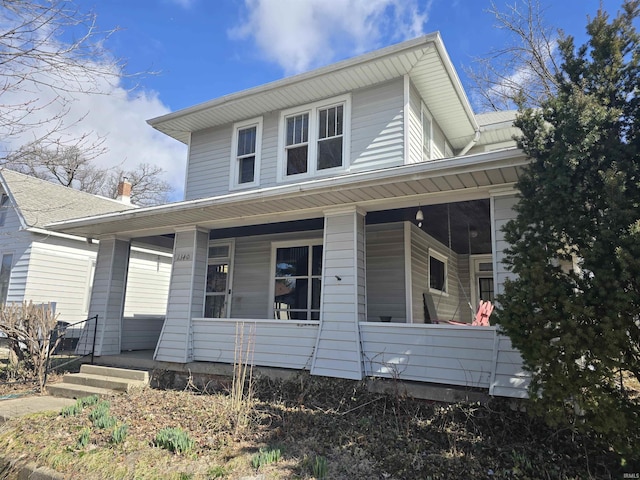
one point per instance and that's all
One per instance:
(302, 428)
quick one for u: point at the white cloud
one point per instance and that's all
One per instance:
(300, 35)
(116, 115)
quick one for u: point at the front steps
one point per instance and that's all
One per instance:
(98, 380)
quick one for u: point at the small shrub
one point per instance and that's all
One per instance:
(72, 410)
(100, 416)
(83, 439)
(88, 401)
(320, 467)
(175, 440)
(265, 457)
(119, 433)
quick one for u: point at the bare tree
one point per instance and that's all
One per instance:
(525, 69)
(75, 168)
(49, 50)
(147, 186)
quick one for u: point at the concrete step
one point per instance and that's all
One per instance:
(67, 390)
(102, 381)
(140, 375)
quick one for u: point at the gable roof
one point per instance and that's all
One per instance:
(39, 202)
(424, 60)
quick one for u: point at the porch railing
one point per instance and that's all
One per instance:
(62, 336)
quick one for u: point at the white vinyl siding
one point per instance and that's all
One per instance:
(447, 305)
(186, 295)
(208, 169)
(509, 377)
(252, 273)
(338, 346)
(502, 212)
(415, 126)
(273, 343)
(147, 284)
(377, 132)
(61, 274)
(386, 272)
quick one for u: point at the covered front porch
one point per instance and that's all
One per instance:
(343, 282)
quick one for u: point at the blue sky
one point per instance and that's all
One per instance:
(202, 49)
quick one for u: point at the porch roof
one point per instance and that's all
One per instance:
(463, 178)
(424, 60)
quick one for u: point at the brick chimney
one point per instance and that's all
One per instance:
(124, 191)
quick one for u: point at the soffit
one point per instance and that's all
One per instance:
(424, 59)
(399, 187)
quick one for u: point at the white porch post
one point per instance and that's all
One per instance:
(107, 295)
(343, 301)
(186, 295)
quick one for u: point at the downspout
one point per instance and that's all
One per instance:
(469, 145)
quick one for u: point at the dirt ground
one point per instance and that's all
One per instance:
(321, 428)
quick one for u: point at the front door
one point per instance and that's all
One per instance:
(218, 290)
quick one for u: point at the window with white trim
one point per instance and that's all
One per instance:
(437, 272)
(297, 270)
(427, 133)
(5, 276)
(4, 207)
(245, 153)
(314, 139)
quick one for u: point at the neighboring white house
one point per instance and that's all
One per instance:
(302, 226)
(44, 266)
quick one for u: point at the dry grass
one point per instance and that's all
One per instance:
(362, 435)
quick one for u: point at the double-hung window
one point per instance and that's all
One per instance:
(245, 153)
(314, 139)
(5, 276)
(4, 207)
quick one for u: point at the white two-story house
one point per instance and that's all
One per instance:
(338, 219)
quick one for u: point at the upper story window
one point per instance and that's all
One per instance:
(314, 139)
(245, 153)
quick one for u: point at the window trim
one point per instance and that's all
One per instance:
(234, 180)
(4, 208)
(442, 258)
(312, 165)
(311, 242)
(231, 243)
(11, 267)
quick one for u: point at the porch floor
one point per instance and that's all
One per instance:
(143, 360)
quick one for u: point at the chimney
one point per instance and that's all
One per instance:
(124, 191)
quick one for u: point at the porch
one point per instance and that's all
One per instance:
(447, 362)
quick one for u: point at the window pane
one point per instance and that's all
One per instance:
(315, 293)
(316, 260)
(246, 170)
(5, 275)
(322, 124)
(292, 262)
(247, 141)
(436, 274)
(217, 277)
(219, 251)
(330, 153)
(485, 289)
(297, 160)
(214, 306)
(297, 129)
(339, 111)
(291, 294)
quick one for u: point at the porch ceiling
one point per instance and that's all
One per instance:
(424, 59)
(430, 182)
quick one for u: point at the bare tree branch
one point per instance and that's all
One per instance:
(523, 71)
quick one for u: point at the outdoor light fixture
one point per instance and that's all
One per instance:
(419, 217)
